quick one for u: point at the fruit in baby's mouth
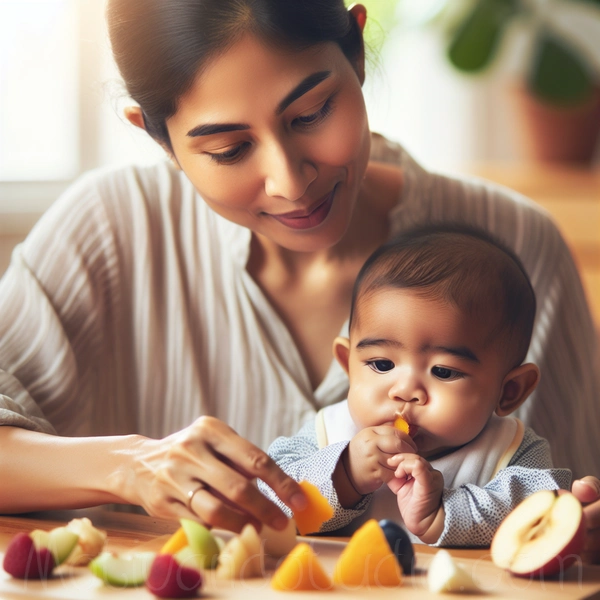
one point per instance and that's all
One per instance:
(403, 425)
(316, 512)
(175, 575)
(301, 570)
(122, 570)
(444, 575)
(367, 560)
(400, 544)
(34, 555)
(542, 536)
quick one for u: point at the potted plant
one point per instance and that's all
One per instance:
(559, 92)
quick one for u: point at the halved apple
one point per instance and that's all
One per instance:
(34, 555)
(122, 570)
(446, 576)
(543, 535)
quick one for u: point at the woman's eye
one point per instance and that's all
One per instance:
(381, 366)
(445, 373)
(307, 121)
(229, 156)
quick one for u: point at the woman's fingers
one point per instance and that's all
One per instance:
(587, 489)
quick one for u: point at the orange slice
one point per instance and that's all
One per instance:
(402, 425)
(301, 570)
(175, 543)
(317, 510)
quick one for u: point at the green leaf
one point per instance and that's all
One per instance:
(558, 75)
(477, 39)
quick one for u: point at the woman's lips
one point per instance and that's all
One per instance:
(302, 220)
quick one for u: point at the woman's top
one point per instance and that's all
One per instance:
(129, 309)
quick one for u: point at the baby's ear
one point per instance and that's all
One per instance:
(517, 386)
(341, 351)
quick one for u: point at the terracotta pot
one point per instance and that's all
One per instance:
(551, 133)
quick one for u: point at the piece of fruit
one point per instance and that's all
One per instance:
(122, 570)
(400, 544)
(175, 543)
(444, 575)
(202, 542)
(89, 545)
(543, 535)
(34, 555)
(367, 560)
(301, 570)
(241, 557)
(403, 425)
(175, 575)
(24, 561)
(316, 512)
(279, 543)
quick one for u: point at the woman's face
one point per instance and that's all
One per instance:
(276, 140)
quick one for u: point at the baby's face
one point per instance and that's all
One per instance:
(429, 362)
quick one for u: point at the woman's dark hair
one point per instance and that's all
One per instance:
(161, 45)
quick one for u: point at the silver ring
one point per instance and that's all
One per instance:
(191, 494)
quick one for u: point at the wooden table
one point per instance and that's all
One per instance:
(128, 531)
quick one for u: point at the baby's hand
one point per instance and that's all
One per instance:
(368, 454)
(418, 488)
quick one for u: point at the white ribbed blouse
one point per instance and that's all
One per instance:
(129, 309)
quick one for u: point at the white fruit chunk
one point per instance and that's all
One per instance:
(279, 543)
(60, 541)
(241, 557)
(444, 575)
(541, 536)
(123, 570)
(90, 544)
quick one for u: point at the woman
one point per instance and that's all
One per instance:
(147, 298)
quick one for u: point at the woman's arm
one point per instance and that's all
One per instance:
(42, 471)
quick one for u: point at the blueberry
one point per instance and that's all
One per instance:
(400, 544)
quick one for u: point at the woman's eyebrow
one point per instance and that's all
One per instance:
(307, 84)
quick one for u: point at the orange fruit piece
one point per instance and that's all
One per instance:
(367, 560)
(175, 543)
(317, 511)
(301, 570)
(402, 425)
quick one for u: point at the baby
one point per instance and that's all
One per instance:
(439, 329)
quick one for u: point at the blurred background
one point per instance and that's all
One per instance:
(508, 90)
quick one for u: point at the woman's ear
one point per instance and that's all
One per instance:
(517, 387)
(341, 351)
(134, 115)
(359, 12)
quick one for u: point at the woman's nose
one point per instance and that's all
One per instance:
(288, 173)
(407, 388)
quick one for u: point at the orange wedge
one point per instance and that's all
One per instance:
(175, 543)
(402, 425)
(301, 570)
(317, 510)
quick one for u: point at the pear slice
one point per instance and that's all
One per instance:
(444, 575)
(60, 541)
(123, 570)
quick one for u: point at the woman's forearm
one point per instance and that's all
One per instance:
(42, 472)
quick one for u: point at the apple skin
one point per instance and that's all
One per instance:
(566, 551)
(169, 579)
(23, 561)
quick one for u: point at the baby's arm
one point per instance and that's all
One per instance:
(418, 488)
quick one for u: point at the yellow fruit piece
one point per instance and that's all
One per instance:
(317, 510)
(402, 425)
(175, 543)
(301, 570)
(367, 560)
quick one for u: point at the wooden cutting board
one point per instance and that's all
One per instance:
(144, 533)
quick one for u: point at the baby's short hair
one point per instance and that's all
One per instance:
(462, 265)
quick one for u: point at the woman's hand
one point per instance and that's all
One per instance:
(587, 491)
(206, 472)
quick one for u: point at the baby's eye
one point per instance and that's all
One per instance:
(445, 373)
(381, 366)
